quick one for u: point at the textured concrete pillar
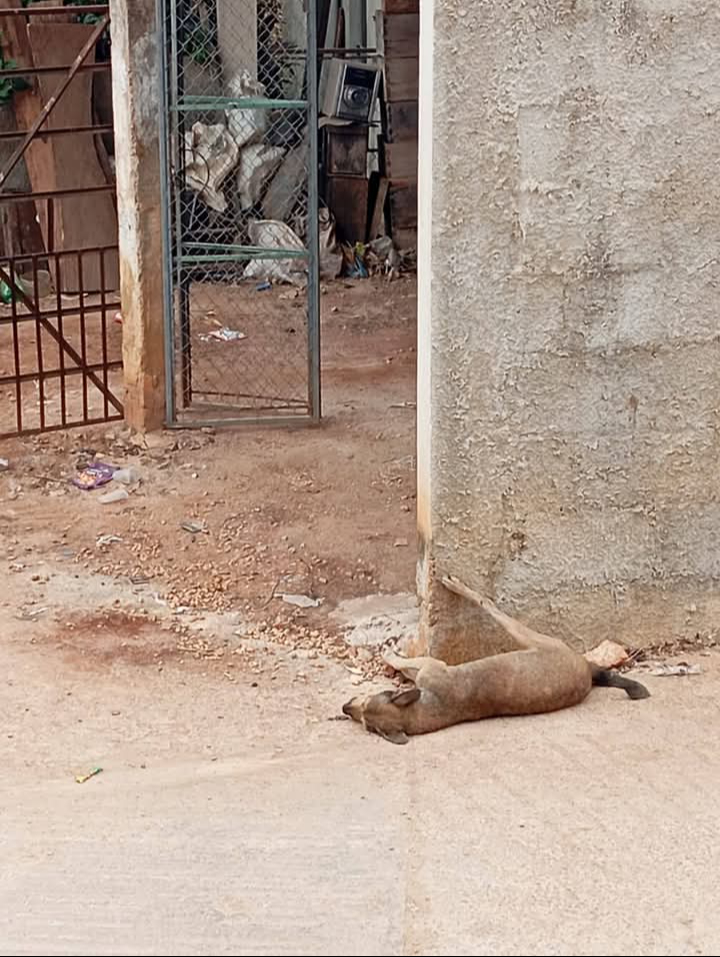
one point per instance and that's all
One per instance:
(238, 42)
(136, 102)
(569, 358)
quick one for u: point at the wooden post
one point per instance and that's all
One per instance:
(136, 64)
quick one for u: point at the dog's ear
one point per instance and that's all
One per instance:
(394, 737)
(403, 698)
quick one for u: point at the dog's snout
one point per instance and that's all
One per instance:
(347, 708)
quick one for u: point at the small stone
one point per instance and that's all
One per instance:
(608, 654)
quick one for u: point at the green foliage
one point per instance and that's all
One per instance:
(9, 84)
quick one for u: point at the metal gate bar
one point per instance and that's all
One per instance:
(95, 373)
(54, 321)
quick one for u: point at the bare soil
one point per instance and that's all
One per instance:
(326, 513)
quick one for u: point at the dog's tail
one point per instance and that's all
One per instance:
(605, 678)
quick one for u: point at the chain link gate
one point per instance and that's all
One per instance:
(240, 130)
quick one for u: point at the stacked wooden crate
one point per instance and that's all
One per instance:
(400, 44)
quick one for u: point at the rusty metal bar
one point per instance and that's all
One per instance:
(54, 193)
(16, 134)
(55, 11)
(76, 358)
(67, 312)
(61, 331)
(58, 373)
(16, 357)
(40, 362)
(50, 243)
(104, 331)
(83, 336)
(52, 102)
(17, 71)
(31, 258)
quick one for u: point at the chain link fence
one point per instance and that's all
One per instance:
(241, 210)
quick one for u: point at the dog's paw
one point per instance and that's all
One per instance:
(393, 657)
(452, 584)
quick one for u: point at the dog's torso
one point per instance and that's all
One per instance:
(511, 684)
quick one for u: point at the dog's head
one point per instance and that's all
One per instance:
(383, 713)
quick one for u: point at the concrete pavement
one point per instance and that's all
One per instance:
(592, 831)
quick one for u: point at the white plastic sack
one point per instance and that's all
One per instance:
(272, 234)
(246, 126)
(210, 154)
(331, 259)
(258, 162)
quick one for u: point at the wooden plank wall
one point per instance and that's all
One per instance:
(400, 38)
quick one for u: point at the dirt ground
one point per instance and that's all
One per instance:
(231, 521)
(235, 813)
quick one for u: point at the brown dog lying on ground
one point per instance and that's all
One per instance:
(543, 675)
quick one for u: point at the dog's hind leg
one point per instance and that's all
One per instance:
(606, 678)
(524, 636)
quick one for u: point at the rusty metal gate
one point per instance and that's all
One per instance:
(240, 133)
(60, 333)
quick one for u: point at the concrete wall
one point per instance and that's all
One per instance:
(569, 343)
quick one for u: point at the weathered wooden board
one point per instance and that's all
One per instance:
(401, 35)
(347, 151)
(37, 164)
(81, 221)
(403, 206)
(19, 230)
(402, 120)
(401, 78)
(347, 197)
(401, 6)
(401, 160)
(378, 209)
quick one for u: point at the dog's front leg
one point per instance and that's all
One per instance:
(408, 667)
(524, 636)
(418, 670)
